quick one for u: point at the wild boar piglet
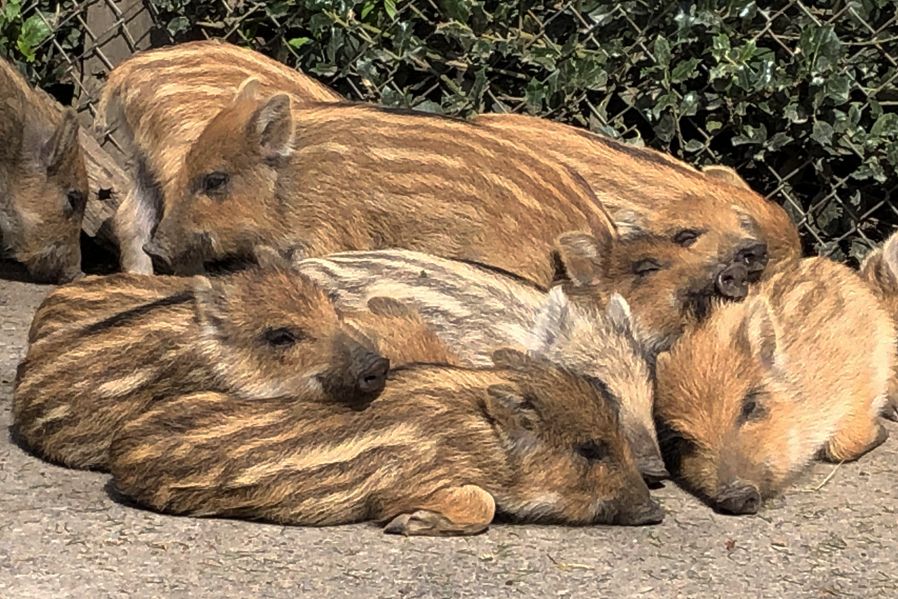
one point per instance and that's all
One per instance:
(800, 368)
(158, 102)
(697, 209)
(665, 287)
(256, 334)
(43, 181)
(880, 270)
(338, 177)
(440, 452)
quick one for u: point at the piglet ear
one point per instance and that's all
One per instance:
(890, 260)
(63, 144)
(725, 174)
(389, 307)
(880, 267)
(248, 90)
(271, 126)
(584, 256)
(552, 322)
(759, 331)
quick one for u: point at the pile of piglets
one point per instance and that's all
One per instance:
(334, 312)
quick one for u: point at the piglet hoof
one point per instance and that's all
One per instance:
(427, 523)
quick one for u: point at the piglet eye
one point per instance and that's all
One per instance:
(686, 237)
(282, 337)
(74, 202)
(214, 183)
(646, 267)
(594, 451)
(751, 407)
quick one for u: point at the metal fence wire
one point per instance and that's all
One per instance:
(800, 97)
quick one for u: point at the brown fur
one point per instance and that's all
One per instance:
(438, 453)
(400, 333)
(342, 176)
(665, 287)
(477, 310)
(103, 349)
(756, 392)
(880, 270)
(160, 100)
(43, 181)
(667, 196)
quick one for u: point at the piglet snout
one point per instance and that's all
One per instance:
(732, 282)
(738, 498)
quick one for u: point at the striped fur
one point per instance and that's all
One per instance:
(750, 397)
(438, 453)
(103, 349)
(476, 311)
(43, 181)
(665, 195)
(339, 177)
(880, 270)
(160, 100)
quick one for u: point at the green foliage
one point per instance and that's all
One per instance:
(799, 97)
(27, 33)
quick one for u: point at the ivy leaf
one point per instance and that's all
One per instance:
(662, 51)
(298, 42)
(178, 25)
(535, 96)
(10, 11)
(34, 31)
(693, 145)
(684, 70)
(460, 10)
(837, 87)
(822, 133)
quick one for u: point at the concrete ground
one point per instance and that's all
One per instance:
(835, 534)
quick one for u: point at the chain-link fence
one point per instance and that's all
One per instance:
(800, 97)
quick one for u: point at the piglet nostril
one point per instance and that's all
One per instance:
(373, 379)
(754, 257)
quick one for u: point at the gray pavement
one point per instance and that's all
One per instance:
(835, 534)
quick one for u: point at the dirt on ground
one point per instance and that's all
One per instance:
(834, 534)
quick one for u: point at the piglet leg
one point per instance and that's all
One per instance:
(465, 510)
(858, 435)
